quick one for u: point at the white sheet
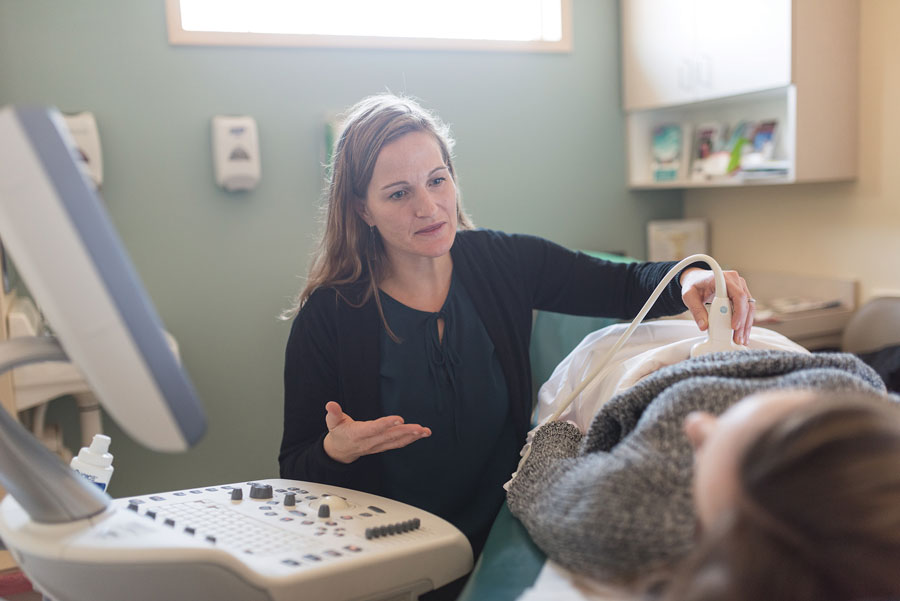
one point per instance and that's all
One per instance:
(652, 346)
(556, 583)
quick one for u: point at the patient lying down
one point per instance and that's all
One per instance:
(796, 488)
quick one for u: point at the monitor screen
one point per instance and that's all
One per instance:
(63, 244)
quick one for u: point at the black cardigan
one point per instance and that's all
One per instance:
(333, 349)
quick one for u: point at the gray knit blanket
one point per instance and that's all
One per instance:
(616, 503)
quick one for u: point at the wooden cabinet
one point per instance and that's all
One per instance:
(690, 62)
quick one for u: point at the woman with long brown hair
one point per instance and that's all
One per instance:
(414, 327)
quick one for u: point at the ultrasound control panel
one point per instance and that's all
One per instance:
(295, 525)
(264, 540)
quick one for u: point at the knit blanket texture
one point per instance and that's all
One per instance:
(616, 503)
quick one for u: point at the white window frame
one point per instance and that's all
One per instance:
(179, 36)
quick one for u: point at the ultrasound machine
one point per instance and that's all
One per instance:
(265, 540)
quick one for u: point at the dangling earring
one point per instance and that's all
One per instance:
(372, 248)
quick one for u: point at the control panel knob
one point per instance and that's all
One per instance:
(290, 499)
(237, 494)
(260, 491)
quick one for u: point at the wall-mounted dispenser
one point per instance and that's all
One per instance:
(235, 147)
(83, 128)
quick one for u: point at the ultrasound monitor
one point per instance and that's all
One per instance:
(58, 234)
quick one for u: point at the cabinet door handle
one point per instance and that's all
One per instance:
(686, 76)
(705, 71)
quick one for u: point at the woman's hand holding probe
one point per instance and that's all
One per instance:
(348, 440)
(698, 286)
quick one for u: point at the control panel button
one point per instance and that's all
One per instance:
(260, 491)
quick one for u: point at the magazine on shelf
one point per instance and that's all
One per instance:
(757, 161)
(666, 149)
(706, 162)
(763, 141)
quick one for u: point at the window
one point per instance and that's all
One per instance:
(527, 25)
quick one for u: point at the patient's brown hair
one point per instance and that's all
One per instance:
(819, 514)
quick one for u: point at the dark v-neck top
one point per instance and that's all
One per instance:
(454, 385)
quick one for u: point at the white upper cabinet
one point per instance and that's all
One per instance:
(680, 51)
(657, 41)
(786, 71)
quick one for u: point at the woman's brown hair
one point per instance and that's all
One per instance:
(349, 251)
(818, 516)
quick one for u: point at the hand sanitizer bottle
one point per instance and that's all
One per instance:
(95, 462)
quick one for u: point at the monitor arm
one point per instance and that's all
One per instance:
(47, 489)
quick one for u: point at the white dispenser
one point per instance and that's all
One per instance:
(83, 127)
(95, 462)
(235, 147)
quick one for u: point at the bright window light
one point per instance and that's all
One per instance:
(501, 24)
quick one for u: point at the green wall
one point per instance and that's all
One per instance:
(540, 150)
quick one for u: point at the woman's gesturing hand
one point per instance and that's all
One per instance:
(348, 440)
(698, 286)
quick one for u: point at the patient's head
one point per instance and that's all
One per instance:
(721, 442)
(798, 495)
